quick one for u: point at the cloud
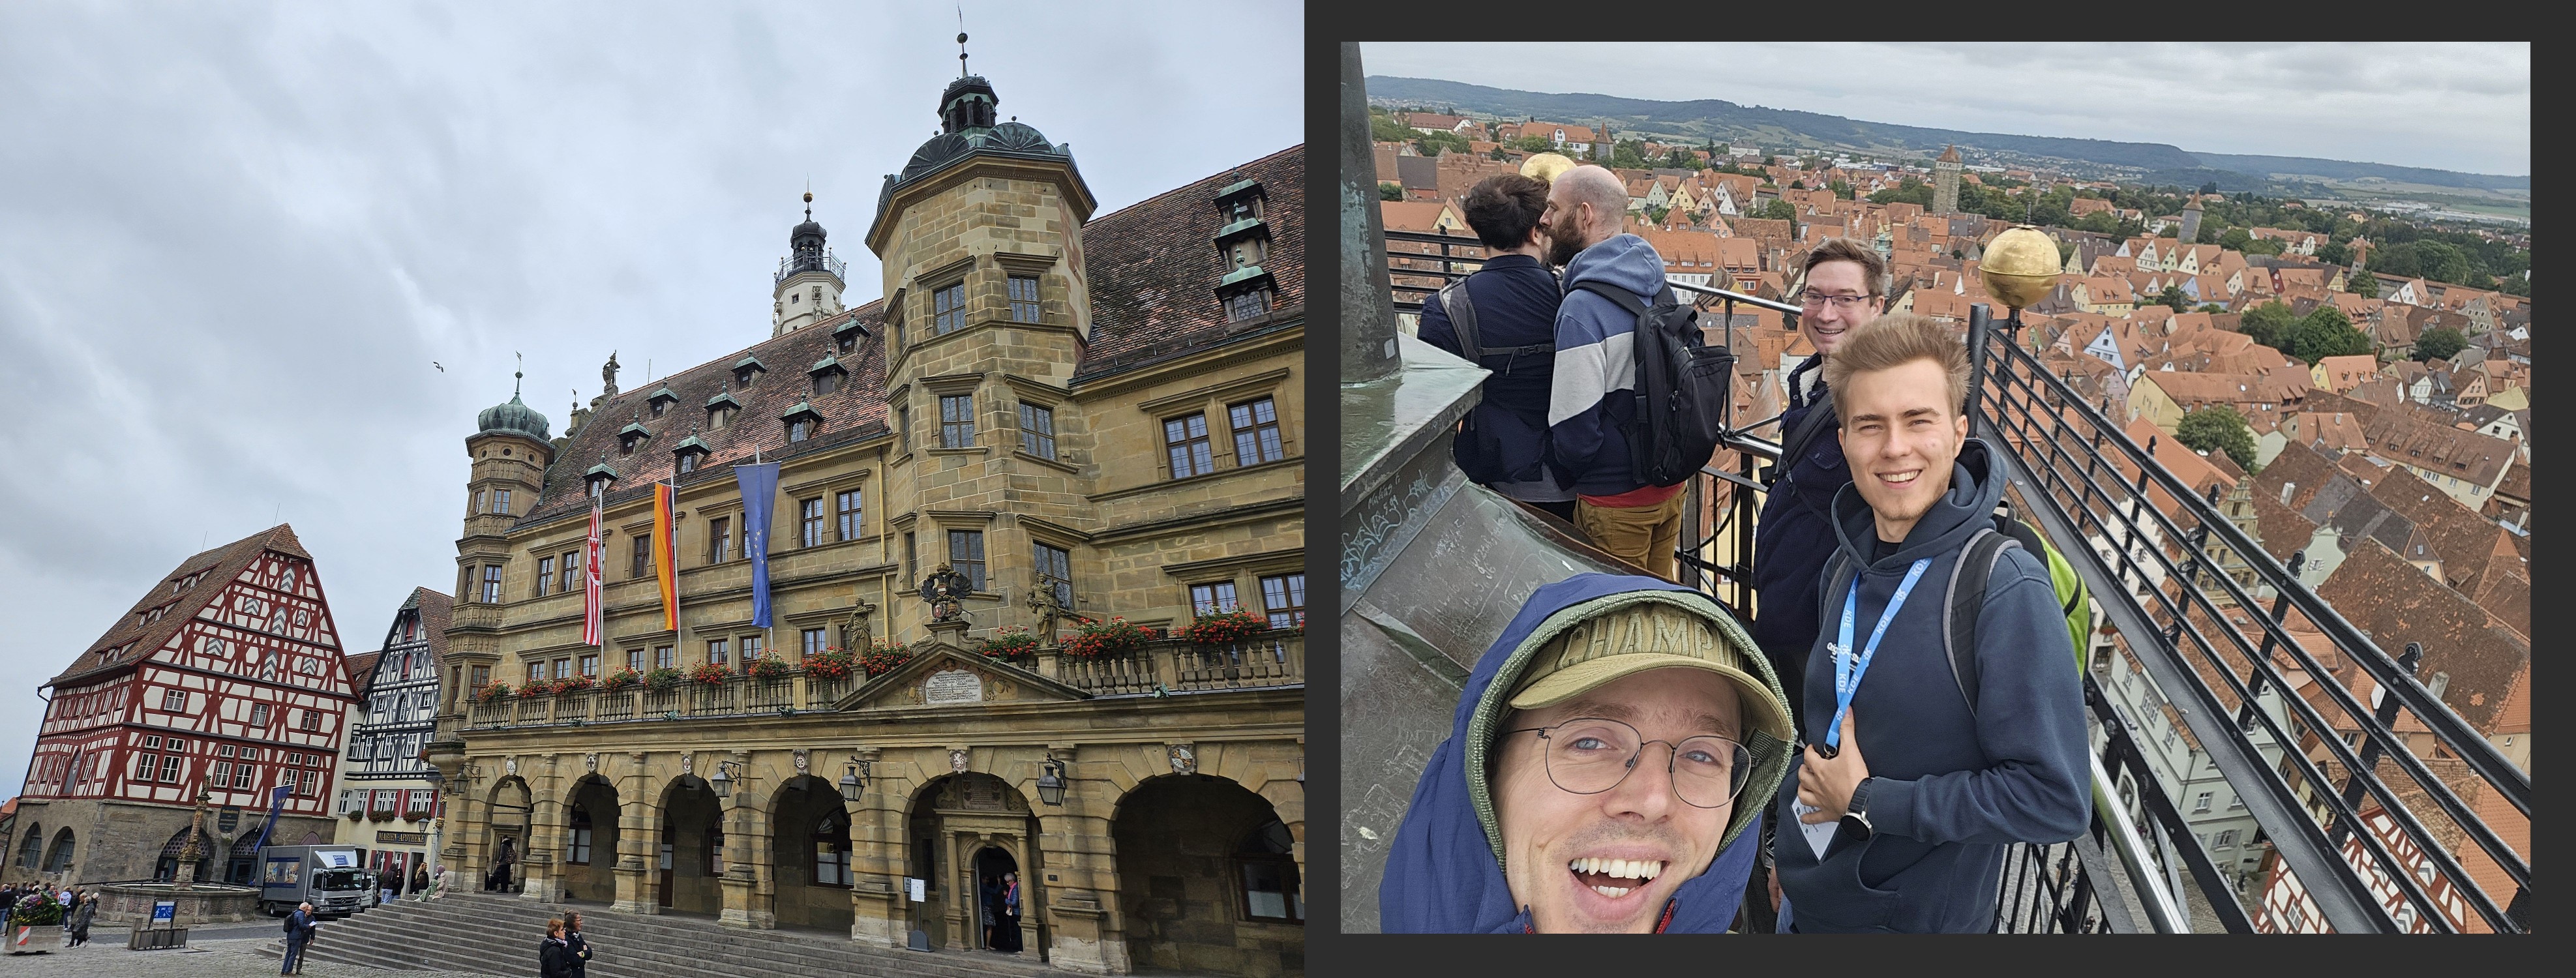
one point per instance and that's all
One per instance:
(233, 239)
(2460, 107)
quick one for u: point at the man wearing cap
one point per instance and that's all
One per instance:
(1919, 770)
(1606, 771)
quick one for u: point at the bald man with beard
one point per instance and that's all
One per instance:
(1592, 397)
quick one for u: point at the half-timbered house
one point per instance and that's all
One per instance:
(222, 683)
(388, 796)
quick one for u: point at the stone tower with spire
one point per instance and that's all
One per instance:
(2191, 220)
(509, 453)
(1945, 182)
(809, 281)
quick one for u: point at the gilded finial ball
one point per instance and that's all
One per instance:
(809, 196)
(961, 37)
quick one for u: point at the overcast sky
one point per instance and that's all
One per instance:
(233, 239)
(2460, 107)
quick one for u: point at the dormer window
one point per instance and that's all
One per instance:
(662, 400)
(599, 477)
(1246, 305)
(845, 337)
(721, 410)
(631, 436)
(748, 372)
(829, 376)
(802, 422)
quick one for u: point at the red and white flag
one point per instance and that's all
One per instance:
(591, 631)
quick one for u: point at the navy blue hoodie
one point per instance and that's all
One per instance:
(1954, 786)
(1444, 871)
(1795, 535)
(1515, 300)
(1593, 395)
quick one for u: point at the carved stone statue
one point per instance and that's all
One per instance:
(608, 376)
(854, 629)
(945, 590)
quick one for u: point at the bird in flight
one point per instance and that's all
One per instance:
(434, 363)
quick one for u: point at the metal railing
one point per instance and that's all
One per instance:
(2358, 830)
(827, 263)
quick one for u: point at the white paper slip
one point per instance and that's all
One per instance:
(1818, 836)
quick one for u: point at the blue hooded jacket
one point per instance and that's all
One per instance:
(1954, 786)
(1444, 872)
(1592, 397)
(1794, 536)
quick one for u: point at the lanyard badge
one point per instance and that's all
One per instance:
(1847, 669)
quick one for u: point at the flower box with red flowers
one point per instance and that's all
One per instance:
(536, 689)
(494, 693)
(622, 678)
(766, 668)
(1008, 642)
(576, 684)
(1108, 639)
(883, 658)
(1224, 627)
(708, 673)
(831, 663)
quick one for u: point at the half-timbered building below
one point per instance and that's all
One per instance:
(223, 682)
(388, 793)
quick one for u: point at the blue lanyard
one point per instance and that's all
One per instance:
(1847, 672)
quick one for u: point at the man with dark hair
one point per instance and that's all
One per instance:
(1592, 398)
(1844, 287)
(1503, 318)
(1968, 748)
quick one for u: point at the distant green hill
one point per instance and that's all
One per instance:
(1721, 120)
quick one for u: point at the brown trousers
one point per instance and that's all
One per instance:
(1646, 536)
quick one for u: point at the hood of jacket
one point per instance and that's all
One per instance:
(1444, 871)
(1968, 505)
(1624, 260)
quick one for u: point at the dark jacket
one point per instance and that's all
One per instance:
(1592, 397)
(1794, 537)
(577, 951)
(1515, 299)
(1950, 787)
(554, 959)
(1444, 871)
(300, 926)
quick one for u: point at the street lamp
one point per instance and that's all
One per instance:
(855, 783)
(723, 781)
(1051, 783)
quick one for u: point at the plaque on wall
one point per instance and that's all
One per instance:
(952, 686)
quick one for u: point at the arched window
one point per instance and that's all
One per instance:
(28, 851)
(1268, 871)
(59, 858)
(832, 848)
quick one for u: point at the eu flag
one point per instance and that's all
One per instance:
(759, 484)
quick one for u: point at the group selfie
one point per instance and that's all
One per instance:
(1629, 756)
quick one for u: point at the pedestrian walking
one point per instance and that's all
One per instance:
(554, 954)
(80, 920)
(1006, 921)
(988, 895)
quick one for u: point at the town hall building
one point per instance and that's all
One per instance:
(1051, 417)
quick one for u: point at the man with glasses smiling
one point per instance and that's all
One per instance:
(1607, 771)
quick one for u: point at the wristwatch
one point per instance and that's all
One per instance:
(1856, 813)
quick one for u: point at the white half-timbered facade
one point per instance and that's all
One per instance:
(226, 680)
(386, 798)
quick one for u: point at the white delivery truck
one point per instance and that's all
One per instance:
(330, 877)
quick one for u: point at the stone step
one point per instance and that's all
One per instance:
(497, 935)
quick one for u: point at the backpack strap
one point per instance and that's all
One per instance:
(1455, 301)
(1462, 318)
(1818, 418)
(1967, 599)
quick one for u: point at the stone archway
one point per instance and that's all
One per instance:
(58, 857)
(810, 855)
(589, 853)
(951, 822)
(505, 832)
(688, 855)
(1207, 880)
(167, 868)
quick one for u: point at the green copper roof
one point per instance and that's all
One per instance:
(726, 398)
(802, 407)
(1245, 274)
(692, 442)
(750, 362)
(824, 364)
(1237, 227)
(1237, 187)
(515, 417)
(600, 470)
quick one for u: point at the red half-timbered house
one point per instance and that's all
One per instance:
(225, 680)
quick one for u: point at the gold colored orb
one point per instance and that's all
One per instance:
(1544, 167)
(2021, 266)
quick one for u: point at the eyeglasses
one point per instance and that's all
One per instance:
(1847, 303)
(1590, 755)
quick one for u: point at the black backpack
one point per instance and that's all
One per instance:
(1681, 388)
(1479, 467)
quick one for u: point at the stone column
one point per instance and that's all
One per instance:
(637, 840)
(876, 837)
(548, 825)
(1081, 882)
(746, 854)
